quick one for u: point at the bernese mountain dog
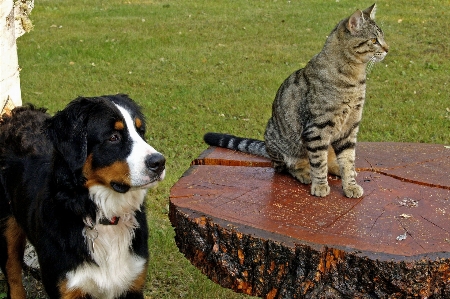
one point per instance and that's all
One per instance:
(74, 185)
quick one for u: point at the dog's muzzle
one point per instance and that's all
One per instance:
(155, 164)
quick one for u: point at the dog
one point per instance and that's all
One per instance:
(74, 185)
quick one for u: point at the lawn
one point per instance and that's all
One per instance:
(197, 66)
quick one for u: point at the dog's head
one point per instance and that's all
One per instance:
(102, 139)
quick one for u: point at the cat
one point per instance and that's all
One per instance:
(317, 110)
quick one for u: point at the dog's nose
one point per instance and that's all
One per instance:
(155, 162)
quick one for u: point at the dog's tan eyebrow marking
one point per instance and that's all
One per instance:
(119, 125)
(138, 122)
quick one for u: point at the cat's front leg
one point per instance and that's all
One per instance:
(319, 170)
(346, 161)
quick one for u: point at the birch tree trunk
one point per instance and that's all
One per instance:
(14, 22)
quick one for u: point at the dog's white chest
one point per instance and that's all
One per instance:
(116, 266)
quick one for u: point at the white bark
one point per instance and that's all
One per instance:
(13, 23)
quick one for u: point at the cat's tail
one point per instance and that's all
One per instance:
(245, 145)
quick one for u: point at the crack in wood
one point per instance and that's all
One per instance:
(426, 219)
(409, 233)
(343, 214)
(403, 179)
(376, 220)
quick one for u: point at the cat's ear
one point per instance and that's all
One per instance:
(355, 22)
(370, 11)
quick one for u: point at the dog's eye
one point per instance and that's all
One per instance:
(141, 131)
(114, 138)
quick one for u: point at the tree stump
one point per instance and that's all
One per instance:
(261, 233)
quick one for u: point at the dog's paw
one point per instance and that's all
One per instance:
(320, 190)
(353, 191)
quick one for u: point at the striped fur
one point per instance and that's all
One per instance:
(317, 110)
(245, 145)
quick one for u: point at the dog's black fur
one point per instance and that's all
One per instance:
(45, 195)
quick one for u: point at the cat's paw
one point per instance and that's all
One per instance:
(302, 176)
(320, 190)
(353, 191)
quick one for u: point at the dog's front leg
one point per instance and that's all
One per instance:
(15, 247)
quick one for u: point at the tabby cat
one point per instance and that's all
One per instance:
(317, 109)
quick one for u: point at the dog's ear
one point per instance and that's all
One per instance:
(67, 130)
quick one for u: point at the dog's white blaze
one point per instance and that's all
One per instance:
(139, 175)
(116, 266)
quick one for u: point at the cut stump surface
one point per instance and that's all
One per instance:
(261, 233)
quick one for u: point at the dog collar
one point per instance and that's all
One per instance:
(106, 221)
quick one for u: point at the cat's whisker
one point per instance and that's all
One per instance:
(370, 64)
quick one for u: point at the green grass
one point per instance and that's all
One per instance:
(198, 66)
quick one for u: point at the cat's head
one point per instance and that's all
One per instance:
(364, 40)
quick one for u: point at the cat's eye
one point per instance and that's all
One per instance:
(374, 41)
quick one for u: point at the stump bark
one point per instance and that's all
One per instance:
(261, 233)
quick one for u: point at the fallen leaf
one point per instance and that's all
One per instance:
(401, 237)
(409, 202)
